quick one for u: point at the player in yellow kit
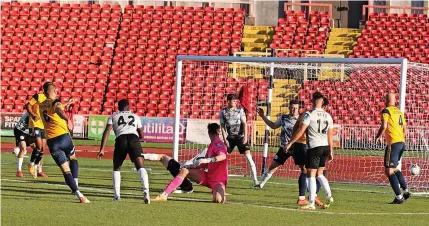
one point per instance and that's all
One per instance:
(37, 132)
(393, 126)
(57, 126)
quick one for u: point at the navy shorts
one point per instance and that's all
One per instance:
(37, 132)
(393, 154)
(61, 148)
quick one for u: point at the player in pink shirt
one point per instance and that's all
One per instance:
(216, 164)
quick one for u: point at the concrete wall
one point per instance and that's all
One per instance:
(266, 13)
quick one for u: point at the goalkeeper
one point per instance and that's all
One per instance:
(216, 177)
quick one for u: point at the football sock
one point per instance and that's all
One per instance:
(34, 154)
(252, 168)
(74, 168)
(144, 179)
(69, 181)
(265, 179)
(312, 187)
(19, 164)
(151, 157)
(325, 184)
(173, 185)
(116, 175)
(39, 168)
(38, 158)
(302, 184)
(394, 183)
(401, 180)
(318, 186)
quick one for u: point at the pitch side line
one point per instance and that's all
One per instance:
(234, 203)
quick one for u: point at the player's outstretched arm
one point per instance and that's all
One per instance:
(218, 158)
(269, 123)
(103, 140)
(140, 131)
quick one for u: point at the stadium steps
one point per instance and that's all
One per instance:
(342, 41)
(284, 91)
(257, 38)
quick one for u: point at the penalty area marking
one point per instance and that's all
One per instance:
(233, 203)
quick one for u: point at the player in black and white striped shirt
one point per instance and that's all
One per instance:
(128, 128)
(319, 127)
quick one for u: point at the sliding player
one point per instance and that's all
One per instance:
(173, 167)
(394, 126)
(216, 177)
(234, 132)
(128, 128)
(37, 133)
(57, 126)
(319, 126)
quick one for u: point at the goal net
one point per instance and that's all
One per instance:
(355, 89)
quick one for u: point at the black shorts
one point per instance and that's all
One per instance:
(61, 148)
(298, 152)
(316, 157)
(37, 132)
(127, 144)
(21, 136)
(393, 154)
(237, 142)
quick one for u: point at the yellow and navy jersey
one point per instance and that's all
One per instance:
(395, 124)
(303, 138)
(34, 105)
(54, 125)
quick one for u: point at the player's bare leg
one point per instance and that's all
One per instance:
(139, 164)
(20, 158)
(32, 169)
(65, 168)
(252, 167)
(267, 175)
(219, 194)
(325, 184)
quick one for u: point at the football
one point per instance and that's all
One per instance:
(415, 169)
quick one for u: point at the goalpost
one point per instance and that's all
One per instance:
(354, 87)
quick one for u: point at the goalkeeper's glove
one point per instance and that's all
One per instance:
(205, 161)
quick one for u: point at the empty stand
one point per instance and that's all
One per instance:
(297, 32)
(393, 35)
(53, 42)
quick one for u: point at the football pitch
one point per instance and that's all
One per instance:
(47, 201)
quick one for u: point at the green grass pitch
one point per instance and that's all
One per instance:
(47, 201)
